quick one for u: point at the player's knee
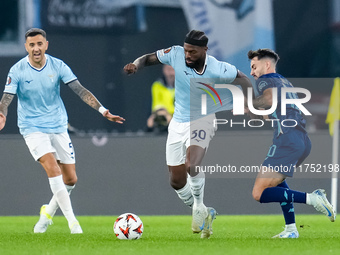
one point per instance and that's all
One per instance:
(178, 176)
(193, 169)
(256, 195)
(71, 180)
(177, 183)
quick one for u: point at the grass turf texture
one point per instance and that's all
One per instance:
(171, 235)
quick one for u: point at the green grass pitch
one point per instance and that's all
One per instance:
(171, 235)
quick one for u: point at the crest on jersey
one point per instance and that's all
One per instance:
(9, 80)
(262, 85)
(51, 77)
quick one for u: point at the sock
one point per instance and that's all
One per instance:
(63, 199)
(308, 200)
(279, 194)
(69, 188)
(185, 195)
(53, 206)
(287, 208)
(197, 188)
(291, 227)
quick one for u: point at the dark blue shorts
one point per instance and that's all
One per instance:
(288, 151)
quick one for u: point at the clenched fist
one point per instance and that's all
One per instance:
(130, 68)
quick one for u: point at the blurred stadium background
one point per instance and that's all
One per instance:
(96, 38)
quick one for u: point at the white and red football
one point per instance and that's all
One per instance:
(128, 226)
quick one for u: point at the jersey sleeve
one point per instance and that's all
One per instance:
(263, 84)
(166, 56)
(66, 74)
(228, 71)
(12, 82)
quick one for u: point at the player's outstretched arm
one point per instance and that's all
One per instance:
(245, 83)
(92, 101)
(242, 80)
(145, 60)
(264, 101)
(4, 103)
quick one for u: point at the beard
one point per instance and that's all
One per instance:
(192, 65)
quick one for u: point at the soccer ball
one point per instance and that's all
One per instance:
(128, 226)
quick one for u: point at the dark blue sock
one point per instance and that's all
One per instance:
(287, 208)
(279, 194)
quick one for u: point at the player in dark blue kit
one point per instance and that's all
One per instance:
(291, 145)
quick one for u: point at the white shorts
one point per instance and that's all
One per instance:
(182, 135)
(60, 145)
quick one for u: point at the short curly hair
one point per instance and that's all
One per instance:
(263, 53)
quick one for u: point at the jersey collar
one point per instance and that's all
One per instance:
(205, 66)
(38, 69)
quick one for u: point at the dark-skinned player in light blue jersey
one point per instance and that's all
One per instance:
(291, 146)
(185, 149)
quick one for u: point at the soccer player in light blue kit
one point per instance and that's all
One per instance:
(188, 139)
(42, 120)
(291, 145)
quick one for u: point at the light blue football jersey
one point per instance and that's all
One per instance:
(40, 107)
(188, 98)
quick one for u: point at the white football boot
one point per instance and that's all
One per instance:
(288, 233)
(44, 221)
(199, 213)
(319, 201)
(207, 229)
(75, 228)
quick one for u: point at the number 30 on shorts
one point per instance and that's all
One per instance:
(271, 151)
(198, 133)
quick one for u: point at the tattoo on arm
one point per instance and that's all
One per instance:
(260, 102)
(146, 60)
(5, 102)
(85, 94)
(265, 100)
